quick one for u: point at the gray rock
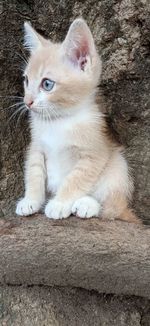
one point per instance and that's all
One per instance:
(43, 306)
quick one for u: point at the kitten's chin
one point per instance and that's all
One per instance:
(45, 115)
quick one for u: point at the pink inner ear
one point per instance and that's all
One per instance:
(80, 55)
(82, 62)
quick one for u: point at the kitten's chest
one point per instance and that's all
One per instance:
(55, 142)
(53, 139)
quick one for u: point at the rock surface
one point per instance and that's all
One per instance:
(43, 306)
(122, 33)
(109, 257)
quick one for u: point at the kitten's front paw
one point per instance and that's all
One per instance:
(27, 207)
(56, 209)
(86, 207)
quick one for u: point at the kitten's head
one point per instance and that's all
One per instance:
(60, 76)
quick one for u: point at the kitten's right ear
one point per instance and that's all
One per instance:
(79, 44)
(32, 39)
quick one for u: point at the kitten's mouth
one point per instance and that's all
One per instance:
(43, 115)
(31, 109)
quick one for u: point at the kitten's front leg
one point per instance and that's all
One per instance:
(35, 176)
(72, 196)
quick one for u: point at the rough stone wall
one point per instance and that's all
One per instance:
(43, 306)
(122, 33)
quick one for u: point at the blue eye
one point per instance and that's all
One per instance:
(47, 84)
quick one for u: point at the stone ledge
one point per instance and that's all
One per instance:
(109, 257)
(54, 306)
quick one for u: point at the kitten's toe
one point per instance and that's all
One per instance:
(56, 209)
(53, 209)
(86, 207)
(27, 207)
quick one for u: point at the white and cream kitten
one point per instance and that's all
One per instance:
(70, 155)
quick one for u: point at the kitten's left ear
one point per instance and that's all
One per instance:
(79, 44)
(32, 39)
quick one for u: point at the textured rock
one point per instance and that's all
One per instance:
(43, 306)
(122, 33)
(110, 257)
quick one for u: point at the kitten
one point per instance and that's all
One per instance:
(70, 154)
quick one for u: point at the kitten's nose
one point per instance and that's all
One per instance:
(28, 102)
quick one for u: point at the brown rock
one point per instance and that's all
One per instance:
(44, 306)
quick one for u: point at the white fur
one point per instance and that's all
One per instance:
(32, 41)
(27, 206)
(57, 210)
(86, 207)
(53, 138)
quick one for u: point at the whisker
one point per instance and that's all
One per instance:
(14, 114)
(21, 49)
(11, 97)
(21, 57)
(12, 106)
(20, 115)
(22, 69)
(48, 115)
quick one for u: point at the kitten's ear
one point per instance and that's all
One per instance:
(79, 44)
(32, 39)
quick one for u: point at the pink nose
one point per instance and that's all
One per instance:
(29, 103)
